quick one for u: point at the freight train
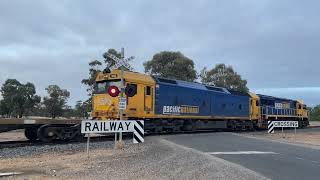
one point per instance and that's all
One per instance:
(169, 105)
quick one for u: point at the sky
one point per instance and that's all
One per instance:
(274, 45)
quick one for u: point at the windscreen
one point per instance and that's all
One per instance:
(102, 87)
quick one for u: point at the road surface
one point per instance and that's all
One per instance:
(271, 159)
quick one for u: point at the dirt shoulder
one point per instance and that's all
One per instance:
(314, 123)
(155, 159)
(16, 135)
(303, 136)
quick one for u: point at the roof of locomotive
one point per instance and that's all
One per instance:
(144, 78)
(273, 98)
(196, 85)
(128, 76)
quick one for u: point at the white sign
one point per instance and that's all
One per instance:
(107, 126)
(285, 123)
(278, 105)
(135, 126)
(122, 103)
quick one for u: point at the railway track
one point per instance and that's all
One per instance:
(108, 137)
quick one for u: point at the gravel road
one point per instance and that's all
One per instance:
(155, 159)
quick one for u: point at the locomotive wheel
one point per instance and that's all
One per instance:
(31, 133)
(45, 134)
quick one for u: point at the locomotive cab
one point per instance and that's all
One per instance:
(107, 91)
(255, 115)
(302, 110)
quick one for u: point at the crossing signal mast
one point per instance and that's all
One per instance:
(113, 90)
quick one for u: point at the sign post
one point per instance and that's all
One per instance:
(88, 142)
(122, 63)
(121, 93)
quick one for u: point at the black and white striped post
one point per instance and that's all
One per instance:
(270, 127)
(138, 133)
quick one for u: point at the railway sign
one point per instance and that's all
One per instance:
(122, 103)
(106, 126)
(135, 126)
(286, 124)
(120, 62)
(282, 124)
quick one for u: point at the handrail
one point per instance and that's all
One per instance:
(269, 110)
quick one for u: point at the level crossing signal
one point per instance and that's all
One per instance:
(130, 91)
(120, 62)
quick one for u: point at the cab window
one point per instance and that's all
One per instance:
(148, 90)
(102, 87)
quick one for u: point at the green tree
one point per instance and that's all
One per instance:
(223, 76)
(109, 61)
(18, 99)
(3, 108)
(81, 109)
(172, 65)
(69, 112)
(55, 103)
(95, 67)
(315, 113)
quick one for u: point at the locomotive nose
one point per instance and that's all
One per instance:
(104, 106)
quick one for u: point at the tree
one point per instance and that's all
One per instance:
(81, 109)
(109, 61)
(97, 66)
(55, 103)
(18, 99)
(172, 65)
(223, 76)
(3, 108)
(315, 113)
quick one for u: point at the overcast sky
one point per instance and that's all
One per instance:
(273, 44)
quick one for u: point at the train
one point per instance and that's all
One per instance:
(168, 105)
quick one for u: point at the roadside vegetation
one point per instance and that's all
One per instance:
(315, 113)
(20, 100)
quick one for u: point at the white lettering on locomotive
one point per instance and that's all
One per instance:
(184, 109)
(282, 105)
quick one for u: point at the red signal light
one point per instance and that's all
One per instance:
(113, 91)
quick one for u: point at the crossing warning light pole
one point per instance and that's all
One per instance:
(121, 63)
(122, 89)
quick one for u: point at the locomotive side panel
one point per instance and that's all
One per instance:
(173, 100)
(195, 100)
(229, 106)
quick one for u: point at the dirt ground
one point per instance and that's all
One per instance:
(17, 135)
(314, 123)
(48, 166)
(304, 136)
(154, 159)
